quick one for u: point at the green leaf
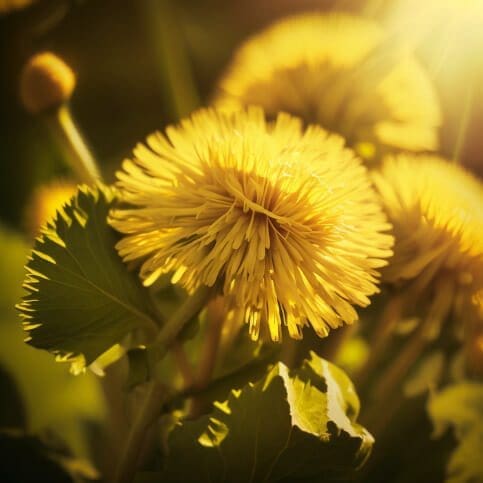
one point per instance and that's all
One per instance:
(288, 426)
(53, 399)
(81, 298)
(461, 407)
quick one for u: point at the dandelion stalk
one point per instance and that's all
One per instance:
(183, 364)
(210, 349)
(173, 64)
(145, 416)
(209, 353)
(381, 337)
(71, 143)
(392, 377)
(152, 405)
(170, 330)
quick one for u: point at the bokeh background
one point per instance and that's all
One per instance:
(120, 50)
(142, 64)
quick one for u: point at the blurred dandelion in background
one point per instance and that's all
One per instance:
(338, 71)
(436, 211)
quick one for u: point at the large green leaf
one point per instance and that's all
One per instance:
(81, 298)
(53, 399)
(289, 426)
(461, 407)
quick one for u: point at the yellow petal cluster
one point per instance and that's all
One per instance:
(284, 220)
(339, 71)
(436, 209)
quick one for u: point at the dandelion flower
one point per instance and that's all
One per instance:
(284, 221)
(436, 209)
(334, 70)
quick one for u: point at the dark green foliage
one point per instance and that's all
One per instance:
(81, 298)
(288, 426)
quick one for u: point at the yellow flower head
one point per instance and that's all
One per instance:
(333, 70)
(436, 209)
(283, 220)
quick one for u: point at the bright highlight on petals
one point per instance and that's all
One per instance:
(284, 220)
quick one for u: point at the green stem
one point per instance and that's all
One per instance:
(236, 378)
(381, 337)
(182, 362)
(170, 330)
(145, 416)
(386, 397)
(72, 145)
(157, 402)
(208, 356)
(210, 350)
(173, 63)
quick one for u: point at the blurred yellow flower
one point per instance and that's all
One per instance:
(283, 220)
(44, 203)
(337, 70)
(7, 6)
(436, 209)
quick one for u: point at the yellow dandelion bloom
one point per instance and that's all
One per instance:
(44, 203)
(335, 70)
(436, 209)
(283, 220)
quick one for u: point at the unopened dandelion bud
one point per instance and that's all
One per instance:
(46, 83)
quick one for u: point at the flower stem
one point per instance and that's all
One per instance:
(148, 413)
(170, 330)
(72, 145)
(209, 353)
(236, 378)
(384, 390)
(183, 363)
(174, 68)
(211, 345)
(381, 337)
